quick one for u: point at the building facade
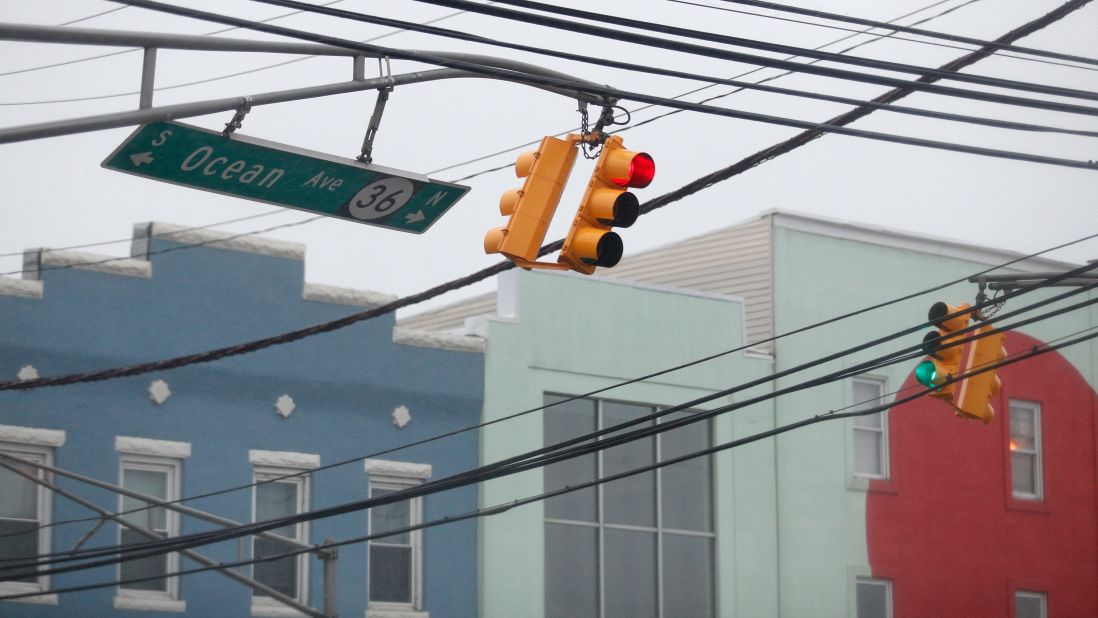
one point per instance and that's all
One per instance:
(257, 418)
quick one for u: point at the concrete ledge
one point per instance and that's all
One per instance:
(320, 293)
(425, 339)
(37, 260)
(25, 288)
(241, 241)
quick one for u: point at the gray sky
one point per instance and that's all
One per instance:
(55, 194)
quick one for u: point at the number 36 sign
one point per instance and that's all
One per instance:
(284, 175)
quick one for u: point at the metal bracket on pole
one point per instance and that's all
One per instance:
(238, 117)
(148, 77)
(367, 154)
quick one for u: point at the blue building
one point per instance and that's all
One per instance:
(285, 409)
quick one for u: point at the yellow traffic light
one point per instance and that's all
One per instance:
(943, 362)
(531, 208)
(606, 204)
(972, 395)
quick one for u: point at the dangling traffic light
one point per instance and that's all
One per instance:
(531, 208)
(943, 362)
(972, 395)
(606, 204)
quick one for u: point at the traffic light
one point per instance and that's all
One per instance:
(943, 362)
(606, 204)
(972, 395)
(531, 208)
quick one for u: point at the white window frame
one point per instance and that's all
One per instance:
(882, 432)
(274, 464)
(1036, 452)
(1032, 594)
(874, 581)
(395, 475)
(36, 453)
(159, 456)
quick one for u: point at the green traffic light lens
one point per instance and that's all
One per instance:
(925, 373)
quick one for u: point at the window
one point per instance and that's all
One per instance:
(280, 498)
(1030, 604)
(642, 546)
(1025, 450)
(395, 566)
(874, 597)
(871, 431)
(24, 509)
(153, 468)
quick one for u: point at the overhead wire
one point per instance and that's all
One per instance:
(634, 380)
(690, 188)
(100, 14)
(712, 52)
(462, 479)
(911, 30)
(522, 462)
(647, 68)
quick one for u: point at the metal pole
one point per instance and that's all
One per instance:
(148, 78)
(186, 510)
(190, 553)
(329, 557)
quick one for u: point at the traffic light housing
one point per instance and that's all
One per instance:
(531, 208)
(943, 362)
(606, 204)
(972, 395)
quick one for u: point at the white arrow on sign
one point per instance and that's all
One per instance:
(141, 157)
(414, 217)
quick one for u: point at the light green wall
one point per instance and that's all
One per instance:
(574, 335)
(821, 507)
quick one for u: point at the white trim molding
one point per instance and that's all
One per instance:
(177, 606)
(37, 260)
(283, 459)
(321, 293)
(217, 239)
(148, 446)
(24, 288)
(402, 469)
(275, 610)
(396, 613)
(431, 339)
(32, 435)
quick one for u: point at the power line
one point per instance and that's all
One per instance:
(891, 35)
(891, 358)
(706, 87)
(247, 530)
(706, 181)
(76, 21)
(621, 35)
(919, 31)
(634, 380)
(913, 111)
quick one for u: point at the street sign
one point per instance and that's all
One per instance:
(284, 175)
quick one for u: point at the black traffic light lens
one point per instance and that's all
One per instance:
(626, 210)
(931, 342)
(937, 311)
(610, 249)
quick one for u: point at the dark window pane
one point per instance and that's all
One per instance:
(687, 576)
(571, 571)
(630, 573)
(1029, 606)
(393, 516)
(143, 567)
(872, 600)
(279, 574)
(22, 543)
(563, 422)
(630, 500)
(686, 487)
(18, 495)
(153, 483)
(278, 499)
(390, 574)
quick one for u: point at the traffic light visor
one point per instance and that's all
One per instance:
(940, 311)
(628, 168)
(597, 248)
(926, 373)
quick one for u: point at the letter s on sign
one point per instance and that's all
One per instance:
(380, 198)
(163, 138)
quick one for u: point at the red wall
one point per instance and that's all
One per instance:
(946, 529)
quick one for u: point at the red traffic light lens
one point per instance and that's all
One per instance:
(642, 169)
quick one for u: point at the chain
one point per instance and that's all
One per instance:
(595, 137)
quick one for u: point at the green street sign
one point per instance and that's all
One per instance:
(283, 175)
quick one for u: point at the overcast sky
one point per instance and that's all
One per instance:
(56, 194)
